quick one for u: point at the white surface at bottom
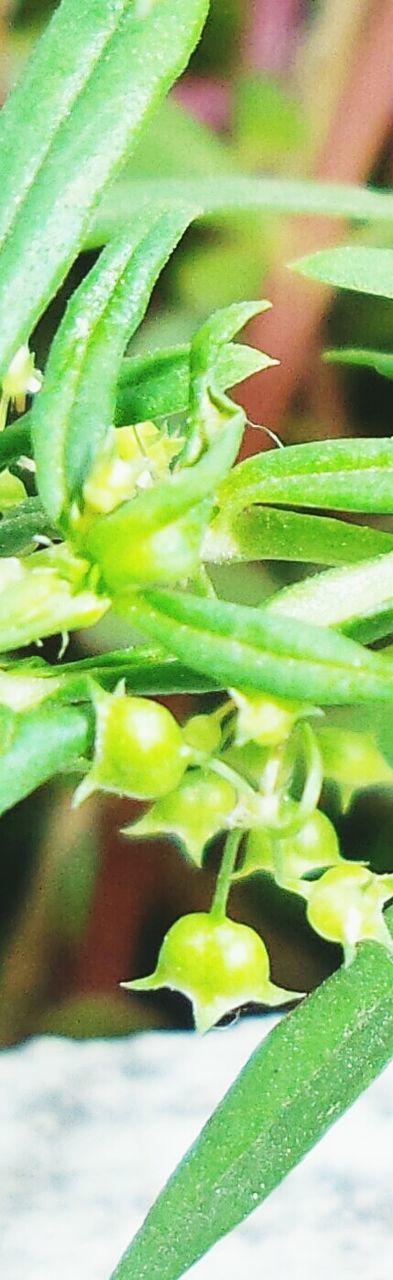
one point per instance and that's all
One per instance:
(90, 1131)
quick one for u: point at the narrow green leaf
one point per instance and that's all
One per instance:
(301, 1079)
(252, 649)
(346, 475)
(381, 361)
(36, 745)
(351, 267)
(151, 387)
(96, 75)
(266, 533)
(21, 525)
(15, 441)
(224, 193)
(354, 599)
(159, 384)
(144, 671)
(75, 409)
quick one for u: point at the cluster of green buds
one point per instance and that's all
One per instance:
(135, 508)
(253, 768)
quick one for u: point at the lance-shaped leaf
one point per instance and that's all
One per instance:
(301, 1079)
(96, 75)
(22, 525)
(265, 533)
(144, 670)
(357, 599)
(363, 358)
(151, 387)
(226, 192)
(252, 649)
(15, 441)
(76, 406)
(351, 267)
(349, 475)
(36, 745)
(206, 402)
(156, 385)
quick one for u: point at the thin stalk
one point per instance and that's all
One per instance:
(224, 878)
(357, 132)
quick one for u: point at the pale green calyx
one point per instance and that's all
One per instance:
(21, 379)
(138, 751)
(219, 964)
(200, 807)
(265, 720)
(346, 906)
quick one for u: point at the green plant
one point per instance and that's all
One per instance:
(137, 495)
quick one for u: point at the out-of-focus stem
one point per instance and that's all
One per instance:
(322, 62)
(271, 34)
(356, 136)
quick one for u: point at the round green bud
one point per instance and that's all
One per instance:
(312, 848)
(219, 964)
(139, 749)
(197, 810)
(346, 906)
(265, 720)
(203, 735)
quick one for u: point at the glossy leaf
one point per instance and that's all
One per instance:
(265, 533)
(252, 649)
(381, 361)
(349, 475)
(351, 267)
(296, 1084)
(353, 599)
(36, 745)
(76, 406)
(95, 76)
(224, 193)
(156, 385)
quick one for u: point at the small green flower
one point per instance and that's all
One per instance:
(219, 964)
(312, 848)
(139, 749)
(197, 810)
(346, 906)
(352, 760)
(22, 379)
(265, 720)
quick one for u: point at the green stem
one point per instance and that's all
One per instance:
(224, 878)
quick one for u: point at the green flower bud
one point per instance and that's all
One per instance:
(197, 810)
(346, 906)
(312, 848)
(49, 592)
(131, 459)
(21, 379)
(352, 760)
(265, 720)
(203, 735)
(139, 749)
(218, 964)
